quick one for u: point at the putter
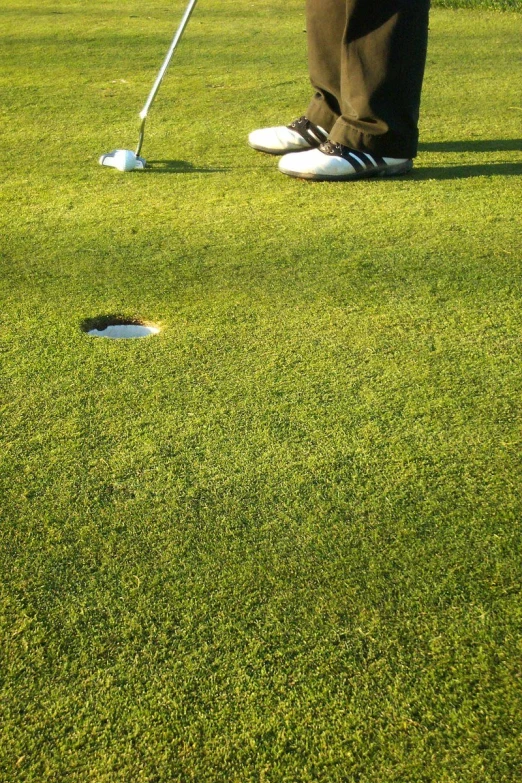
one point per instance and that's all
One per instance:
(126, 160)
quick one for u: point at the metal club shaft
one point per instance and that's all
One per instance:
(161, 74)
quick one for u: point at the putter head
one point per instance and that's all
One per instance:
(123, 160)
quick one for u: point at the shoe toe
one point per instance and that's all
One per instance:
(314, 164)
(277, 140)
(257, 139)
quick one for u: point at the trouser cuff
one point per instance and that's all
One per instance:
(382, 142)
(388, 144)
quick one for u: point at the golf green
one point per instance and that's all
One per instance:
(279, 541)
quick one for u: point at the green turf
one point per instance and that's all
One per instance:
(497, 5)
(280, 542)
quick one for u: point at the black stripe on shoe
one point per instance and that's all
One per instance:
(373, 159)
(358, 163)
(310, 132)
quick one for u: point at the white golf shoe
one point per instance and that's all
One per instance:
(335, 162)
(299, 135)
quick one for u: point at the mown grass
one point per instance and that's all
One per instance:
(281, 541)
(481, 5)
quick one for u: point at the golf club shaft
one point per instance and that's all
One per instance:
(161, 74)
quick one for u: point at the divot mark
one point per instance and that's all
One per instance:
(118, 327)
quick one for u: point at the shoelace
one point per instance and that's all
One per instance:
(333, 148)
(308, 130)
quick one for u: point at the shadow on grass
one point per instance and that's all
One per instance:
(420, 173)
(479, 145)
(465, 172)
(179, 167)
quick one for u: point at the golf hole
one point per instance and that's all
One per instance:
(117, 327)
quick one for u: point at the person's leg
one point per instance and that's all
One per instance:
(325, 26)
(366, 62)
(326, 20)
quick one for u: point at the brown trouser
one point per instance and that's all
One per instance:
(366, 60)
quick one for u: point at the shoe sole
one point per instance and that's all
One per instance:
(279, 152)
(390, 171)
